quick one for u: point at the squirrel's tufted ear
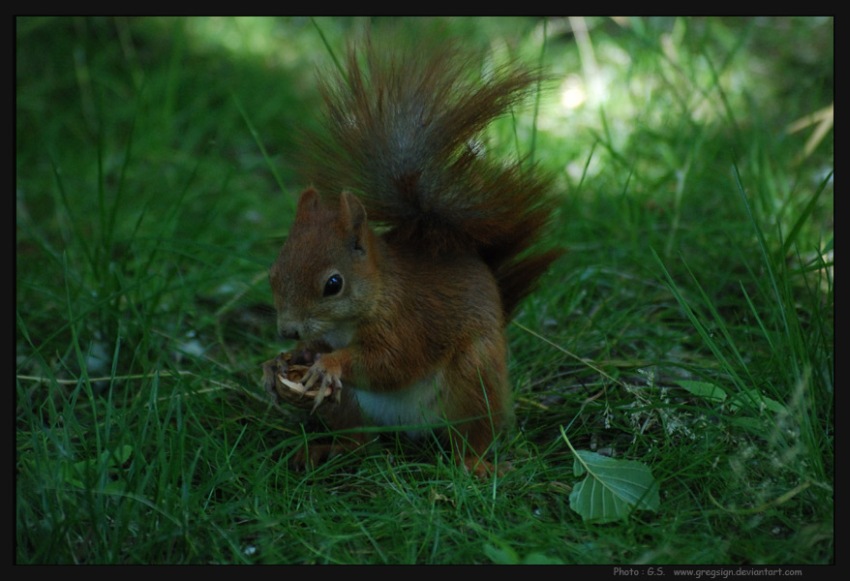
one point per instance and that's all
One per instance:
(352, 218)
(352, 214)
(308, 202)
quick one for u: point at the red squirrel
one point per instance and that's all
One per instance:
(411, 251)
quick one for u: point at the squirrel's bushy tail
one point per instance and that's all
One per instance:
(399, 132)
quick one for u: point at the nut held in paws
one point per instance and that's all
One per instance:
(282, 379)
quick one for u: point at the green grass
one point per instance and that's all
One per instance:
(152, 194)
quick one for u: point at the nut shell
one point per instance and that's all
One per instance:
(282, 379)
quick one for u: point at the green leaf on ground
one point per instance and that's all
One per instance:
(707, 391)
(612, 489)
(753, 399)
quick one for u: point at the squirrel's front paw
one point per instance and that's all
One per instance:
(323, 379)
(295, 383)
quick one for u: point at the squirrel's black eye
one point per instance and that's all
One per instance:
(333, 285)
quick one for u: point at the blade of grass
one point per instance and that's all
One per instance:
(272, 167)
(791, 238)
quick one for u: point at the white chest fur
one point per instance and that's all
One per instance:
(417, 405)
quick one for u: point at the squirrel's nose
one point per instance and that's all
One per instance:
(288, 332)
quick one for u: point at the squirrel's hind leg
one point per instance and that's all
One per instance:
(483, 404)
